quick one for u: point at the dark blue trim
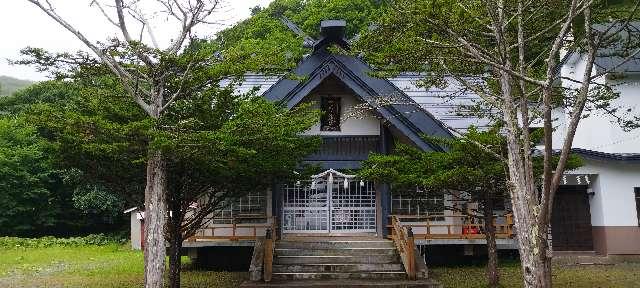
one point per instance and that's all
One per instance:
(627, 157)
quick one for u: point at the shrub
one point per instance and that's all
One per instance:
(48, 241)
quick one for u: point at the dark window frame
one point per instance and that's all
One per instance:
(331, 107)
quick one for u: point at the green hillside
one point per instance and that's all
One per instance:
(9, 85)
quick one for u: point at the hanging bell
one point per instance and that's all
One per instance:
(361, 183)
(346, 184)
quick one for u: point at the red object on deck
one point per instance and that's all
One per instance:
(470, 230)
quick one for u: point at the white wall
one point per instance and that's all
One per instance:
(135, 231)
(613, 203)
(600, 132)
(367, 125)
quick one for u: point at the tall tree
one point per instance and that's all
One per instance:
(25, 171)
(219, 145)
(73, 204)
(465, 170)
(255, 145)
(148, 75)
(513, 49)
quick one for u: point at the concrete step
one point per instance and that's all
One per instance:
(339, 275)
(284, 244)
(335, 259)
(338, 268)
(344, 283)
(335, 251)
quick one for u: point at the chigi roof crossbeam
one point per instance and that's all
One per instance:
(332, 32)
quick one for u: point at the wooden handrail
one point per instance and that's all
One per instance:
(268, 255)
(463, 230)
(406, 246)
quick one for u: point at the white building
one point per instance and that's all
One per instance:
(611, 165)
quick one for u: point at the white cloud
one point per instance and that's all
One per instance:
(23, 24)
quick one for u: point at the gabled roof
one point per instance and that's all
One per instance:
(452, 104)
(355, 74)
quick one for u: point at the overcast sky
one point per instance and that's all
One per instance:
(23, 24)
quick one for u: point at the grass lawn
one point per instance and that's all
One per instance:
(117, 266)
(91, 266)
(620, 275)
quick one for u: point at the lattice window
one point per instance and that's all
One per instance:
(330, 119)
(417, 203)
(253, 204)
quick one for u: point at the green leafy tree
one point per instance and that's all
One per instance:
(222, 152)
(71, 199)
(512, 51)
(25, 170)
(465, 167)
(218, 145)
(154, 77)
(263, 43)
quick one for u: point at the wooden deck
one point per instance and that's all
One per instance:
(434, 229)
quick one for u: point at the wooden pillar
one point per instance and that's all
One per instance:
(385, 207)
(276, 209)
(386, 142)
(268, 256)
(411, 258)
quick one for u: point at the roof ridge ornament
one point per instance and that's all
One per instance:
(332, 32)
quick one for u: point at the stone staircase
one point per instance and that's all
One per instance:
(344, 263)
(362, 259)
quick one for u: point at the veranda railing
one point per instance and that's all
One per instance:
(452, 226)
(235, 231)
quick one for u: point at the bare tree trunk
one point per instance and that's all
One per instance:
(155, 219)
(493, 275)
(524, 198)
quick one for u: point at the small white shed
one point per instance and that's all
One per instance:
(137, 227)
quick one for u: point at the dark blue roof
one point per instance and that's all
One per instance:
(614, 56)
(634, 157)
(355, 74)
